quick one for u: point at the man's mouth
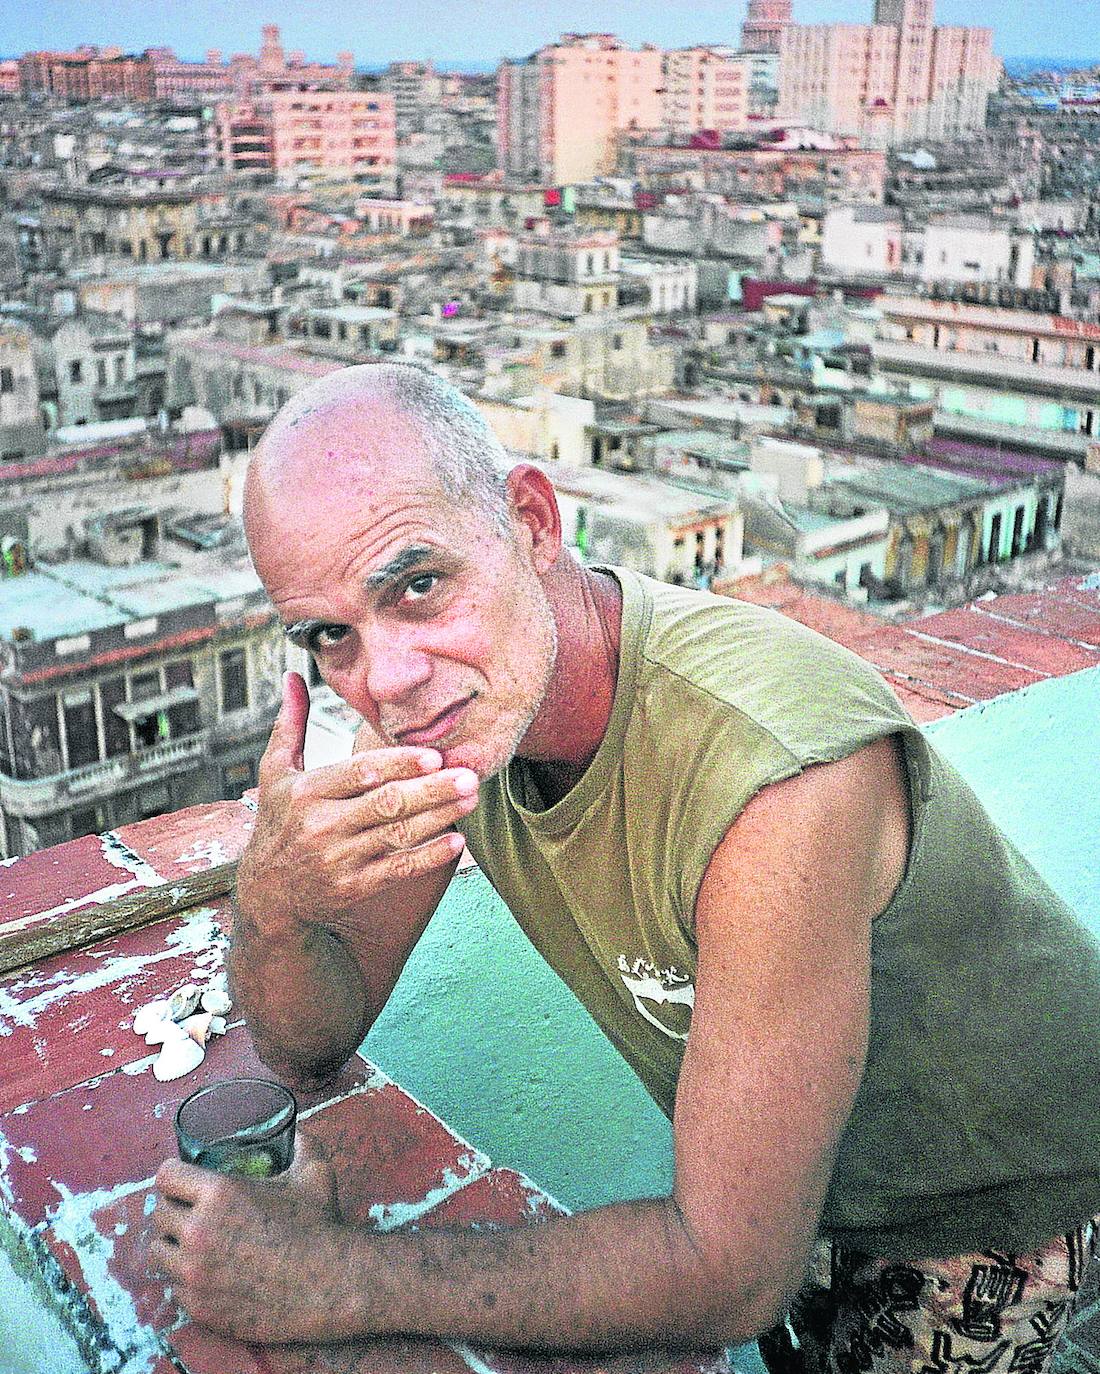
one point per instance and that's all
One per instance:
(435, 729)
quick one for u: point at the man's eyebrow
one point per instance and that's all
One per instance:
(408, 558)
(300, 631)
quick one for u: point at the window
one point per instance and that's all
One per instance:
(237, 778)
(145, 685)
(76, 371)
(233, 676)
(7, 380)
(101, 372)
(89, 820)
(617, 342)
(557, 350)
(81, 734)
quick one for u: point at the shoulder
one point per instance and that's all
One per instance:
(835, 835)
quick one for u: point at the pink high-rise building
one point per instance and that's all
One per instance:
(560, 110)
(309, 133)
(333, 133)
(897, 80)
(763, 28)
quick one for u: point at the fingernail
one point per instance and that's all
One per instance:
(466, 783)
(430, 758)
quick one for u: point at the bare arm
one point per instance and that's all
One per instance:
(772, 1066)
(344, 870)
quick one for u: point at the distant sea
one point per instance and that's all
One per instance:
(471, 67)
(1022, 66)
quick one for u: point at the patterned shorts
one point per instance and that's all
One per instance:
(989, 1313)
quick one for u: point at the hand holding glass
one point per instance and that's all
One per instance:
(238, 1126)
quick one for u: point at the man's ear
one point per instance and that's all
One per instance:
(534, 506)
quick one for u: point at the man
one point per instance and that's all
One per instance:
(706, 818)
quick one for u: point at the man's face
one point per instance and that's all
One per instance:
(425, 618)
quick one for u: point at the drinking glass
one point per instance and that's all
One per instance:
(238, 1126)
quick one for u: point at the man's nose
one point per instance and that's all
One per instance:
(394, 668)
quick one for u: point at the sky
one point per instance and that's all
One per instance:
(453, 32)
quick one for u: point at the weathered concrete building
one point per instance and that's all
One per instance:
(94, 369)
(129, 687)
(21, 427)
(1027, 378)
(567, 274)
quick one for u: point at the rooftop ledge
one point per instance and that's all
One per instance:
(478, 1028)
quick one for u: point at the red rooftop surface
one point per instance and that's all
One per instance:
(84, 1124)
(941, 663)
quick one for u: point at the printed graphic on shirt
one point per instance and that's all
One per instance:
(664, 997)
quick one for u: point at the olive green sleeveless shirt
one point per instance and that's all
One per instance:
(977, 1123)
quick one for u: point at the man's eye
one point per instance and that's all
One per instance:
(326, 636)
(420, 586)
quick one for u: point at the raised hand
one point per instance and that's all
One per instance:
(329, 840)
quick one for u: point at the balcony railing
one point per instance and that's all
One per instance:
(33, 797)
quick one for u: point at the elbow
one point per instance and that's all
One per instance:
(736, 1297)
(737, 1317)
(301, 1072)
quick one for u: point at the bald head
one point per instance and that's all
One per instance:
(355, 425)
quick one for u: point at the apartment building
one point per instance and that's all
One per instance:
(565, 273)
(310, 134)
(896, 80)
(873, 240)
(87, 74)
(95, 369)
(559, 111)
(766, 171)
(145, 224)
(21, 428)
(1017, 375)
(707, 88)
(416, 88)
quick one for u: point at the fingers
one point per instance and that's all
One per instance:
(399, 864)
(353, 776)
(285, 752)
(181, 1183)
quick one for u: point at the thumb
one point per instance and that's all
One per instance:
(312, 1174)
(286, 749)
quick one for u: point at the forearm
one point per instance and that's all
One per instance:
(302, 994)
(619, 1277)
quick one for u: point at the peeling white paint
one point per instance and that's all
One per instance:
(73, 1222)
(389, 1216)
(375, 1083)
(105, 894)
(119, 854)
(208, 853)
(198, 936)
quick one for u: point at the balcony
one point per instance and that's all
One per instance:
(32, 797)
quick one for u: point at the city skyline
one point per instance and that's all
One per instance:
(482, 33)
